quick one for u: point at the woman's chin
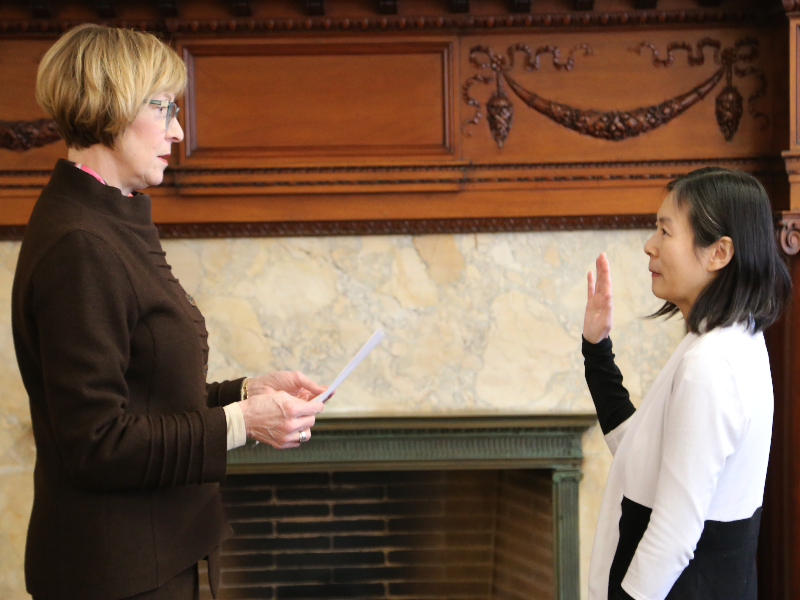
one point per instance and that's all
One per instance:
(153, 180)
(654, 288)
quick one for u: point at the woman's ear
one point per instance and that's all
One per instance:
(720, 254)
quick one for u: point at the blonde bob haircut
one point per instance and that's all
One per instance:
(95, 79)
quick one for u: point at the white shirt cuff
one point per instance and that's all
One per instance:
(237, 436)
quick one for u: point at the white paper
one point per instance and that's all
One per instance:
(366, 349)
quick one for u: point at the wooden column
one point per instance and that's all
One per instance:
(779, 543)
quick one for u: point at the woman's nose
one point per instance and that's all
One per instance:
(650, 247)
(175, 131)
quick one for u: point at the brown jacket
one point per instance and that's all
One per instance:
(130, 441)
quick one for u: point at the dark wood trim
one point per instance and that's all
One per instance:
(778, 553)
(774, 544)
(767, 163)
(761, 166)
(791, 5)
(381, 227)
(229, 26)
(11, 232)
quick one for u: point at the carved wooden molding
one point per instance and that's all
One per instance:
(40, 9)
(633, 18)
(791, 5)
(387, 7)
(775, 161)
(615, 125)
(487, 173)
(519, 6)
(458, 6)
(105, 9)
(11, 232)
(407, 226)
(24, 135)
(389, 227)
(315, 7)
(241, 8)
(788, 226)
(168, 8)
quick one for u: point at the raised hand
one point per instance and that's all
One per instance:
(599, 306)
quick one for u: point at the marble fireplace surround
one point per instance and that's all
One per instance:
(476, 325)
(551, 442)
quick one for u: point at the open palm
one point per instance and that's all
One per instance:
(599, 306)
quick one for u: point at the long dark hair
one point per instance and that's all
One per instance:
(755, 285)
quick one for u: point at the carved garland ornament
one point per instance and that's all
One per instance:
(24, 135)
(615, 125)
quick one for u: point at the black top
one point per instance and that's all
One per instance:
(611, 399)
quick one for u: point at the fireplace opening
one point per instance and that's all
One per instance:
(421, 535)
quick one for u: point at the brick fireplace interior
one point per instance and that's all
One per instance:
(422, 508)
(422, 535)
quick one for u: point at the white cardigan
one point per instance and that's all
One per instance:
(695, 450)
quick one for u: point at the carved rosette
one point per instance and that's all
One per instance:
(788, 226)
(24, 135)
(618, 125)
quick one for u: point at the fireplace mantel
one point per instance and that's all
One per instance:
(551, 441)
(431, 442)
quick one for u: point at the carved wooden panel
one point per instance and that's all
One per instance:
(361, 116)
(705, 93)
(318, 100)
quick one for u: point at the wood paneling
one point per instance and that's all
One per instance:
(317, 100)
(362, 116)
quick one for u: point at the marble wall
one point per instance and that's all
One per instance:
(475, 324)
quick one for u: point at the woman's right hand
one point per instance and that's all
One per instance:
(276, 418)
(599, 306)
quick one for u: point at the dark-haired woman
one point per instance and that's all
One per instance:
(681, 509)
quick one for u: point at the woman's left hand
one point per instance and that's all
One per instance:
(291, 382)
(599, 306)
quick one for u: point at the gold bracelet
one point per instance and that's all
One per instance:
(243, 391)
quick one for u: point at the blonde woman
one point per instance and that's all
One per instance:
(131, 442)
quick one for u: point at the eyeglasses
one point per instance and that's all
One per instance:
(172, 110)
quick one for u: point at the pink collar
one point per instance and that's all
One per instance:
(93, 173)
